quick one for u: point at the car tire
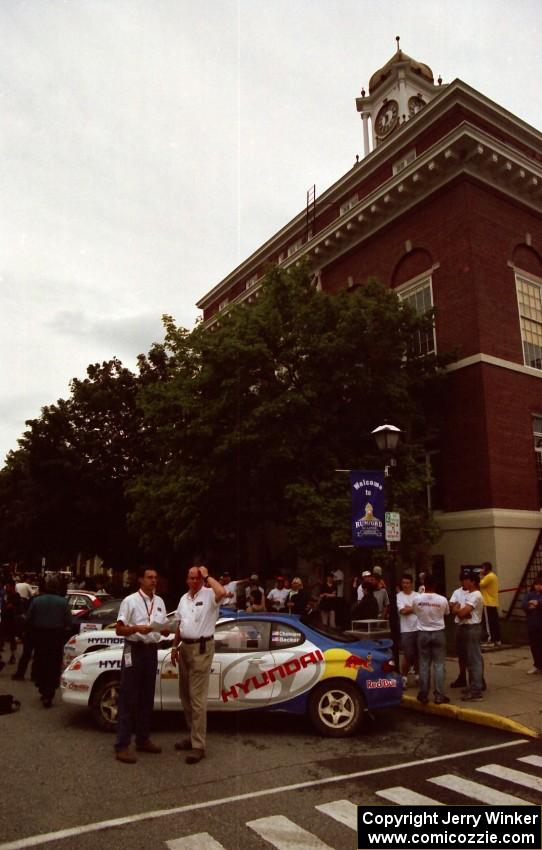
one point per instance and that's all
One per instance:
(336, 708)
(104, 703)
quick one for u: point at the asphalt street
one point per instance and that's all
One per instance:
(265, 774)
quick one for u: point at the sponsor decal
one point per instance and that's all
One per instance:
(381, 683)
(356, 662)
(282, 671)
(102, 639)
(77, 686)
(110, 664)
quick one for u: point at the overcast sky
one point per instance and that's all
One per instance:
(148, 146)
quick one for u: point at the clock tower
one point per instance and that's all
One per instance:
(397, 92)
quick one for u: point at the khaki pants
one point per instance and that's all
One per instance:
(194, 671)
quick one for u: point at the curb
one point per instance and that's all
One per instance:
(470, 715)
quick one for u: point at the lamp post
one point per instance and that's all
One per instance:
(387, 439)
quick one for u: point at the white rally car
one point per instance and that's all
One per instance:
(103, 638)
(262, 661)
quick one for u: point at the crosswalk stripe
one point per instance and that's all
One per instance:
(284, 834)
(342, 811)
(198, 841)
(406, 797)
(516, 776)
(477, 791)
(536, 761)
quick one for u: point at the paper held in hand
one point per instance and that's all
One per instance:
(170, 626)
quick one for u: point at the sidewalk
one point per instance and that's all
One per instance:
(512, 701)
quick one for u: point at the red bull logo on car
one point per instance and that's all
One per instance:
(354, 662)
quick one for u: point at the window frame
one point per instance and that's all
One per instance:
(531, 281)
(411, 287)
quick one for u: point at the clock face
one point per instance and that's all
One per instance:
(387, 118)
(415, 104)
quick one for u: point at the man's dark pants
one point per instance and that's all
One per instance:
(136, 697)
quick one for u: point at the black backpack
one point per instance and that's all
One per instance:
(8, 704)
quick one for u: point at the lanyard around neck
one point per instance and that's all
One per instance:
(147, 609)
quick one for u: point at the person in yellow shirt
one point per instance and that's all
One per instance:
(489, 586)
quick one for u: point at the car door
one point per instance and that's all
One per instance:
(239, 672)
(297, 662)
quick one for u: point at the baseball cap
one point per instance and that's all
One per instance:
(377, 570)
(365, 574)
(254, 577)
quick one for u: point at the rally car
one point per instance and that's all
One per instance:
(261, 661)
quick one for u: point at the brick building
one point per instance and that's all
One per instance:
(445, 208)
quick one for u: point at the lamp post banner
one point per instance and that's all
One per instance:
(368, 507)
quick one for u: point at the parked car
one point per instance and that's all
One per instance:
(262, 661)
(98, 631)
(85, 600)
(102, 617)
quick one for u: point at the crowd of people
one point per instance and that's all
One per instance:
(43, 621)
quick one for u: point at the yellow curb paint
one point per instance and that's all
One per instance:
(470, 715)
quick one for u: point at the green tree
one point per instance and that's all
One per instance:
(63, 491)
(255, 416)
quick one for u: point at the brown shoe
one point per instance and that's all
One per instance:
(125, 756)
(194, 756)
(184, 745)
(148, 747)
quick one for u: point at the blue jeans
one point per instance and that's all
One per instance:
(432, 651)
(472, 635)
(136, 695)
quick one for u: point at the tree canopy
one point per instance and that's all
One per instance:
(228, 438)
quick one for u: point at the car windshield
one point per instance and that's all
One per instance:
(337, 635)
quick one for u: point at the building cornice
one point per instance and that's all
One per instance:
(466, 149)
(489, 360)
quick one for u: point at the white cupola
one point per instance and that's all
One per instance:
(397, 92)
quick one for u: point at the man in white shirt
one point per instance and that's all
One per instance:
(408, 624)
(430, 608)
(138, 618)
(278, 595)
(197, 612)
(468, 606)
(25, 591)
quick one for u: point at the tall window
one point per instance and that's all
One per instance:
(530, 320)
(537, 437)
(420, 297)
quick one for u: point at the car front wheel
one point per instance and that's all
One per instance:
(336, 708)
(104, 704)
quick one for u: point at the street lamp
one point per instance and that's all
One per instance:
(387, 439)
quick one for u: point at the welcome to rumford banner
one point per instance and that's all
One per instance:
(368, 507)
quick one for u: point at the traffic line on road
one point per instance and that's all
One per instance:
(342, 811)
(198, 841)
(536, 761)
(406, 797)
(527, 780)
(99, 826)
(284, 834)
(477, 791)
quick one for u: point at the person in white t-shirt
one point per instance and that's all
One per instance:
(430, 608)
(278, 595)
(457, 599)
(468, 606)
(408, 623)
